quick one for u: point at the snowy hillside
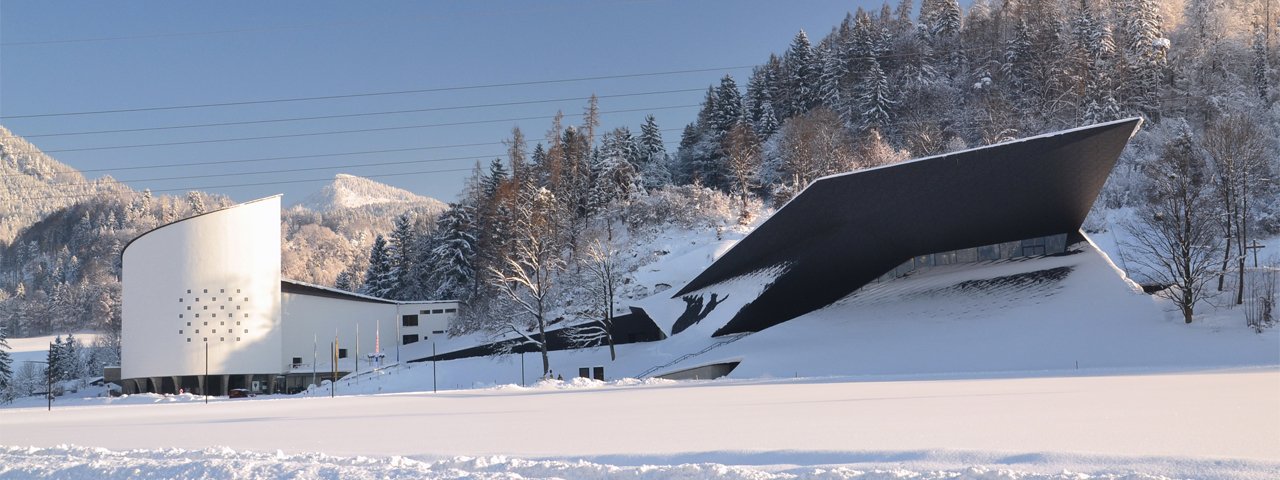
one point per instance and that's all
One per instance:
(350, 191)
(1046, 314)
(33, 185)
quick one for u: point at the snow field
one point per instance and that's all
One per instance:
(1179, 425)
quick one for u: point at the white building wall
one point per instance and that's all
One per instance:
(211, 279)
(433, 319)
(313, 321)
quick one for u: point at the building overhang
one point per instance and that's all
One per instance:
(845, 230)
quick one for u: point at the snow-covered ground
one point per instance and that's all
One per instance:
(1188, 425)
(37, 348)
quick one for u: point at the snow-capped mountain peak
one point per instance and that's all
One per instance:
(350, 191)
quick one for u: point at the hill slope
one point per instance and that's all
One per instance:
(33, 185)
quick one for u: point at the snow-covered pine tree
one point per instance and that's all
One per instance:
(377, 279)
(1016, 67)
(343, 282)
(946, 19)
(613, 178)
(875, 98)
(801, 79)
(654, 162)
(1259, 48)
(73, 358)
(55, 361)
(452, 266)
(6, 368)
(196, 201)
(831, 78)
(728, 109)
(497, 175)
(401, 256)
(902, 14)
(1143, 47)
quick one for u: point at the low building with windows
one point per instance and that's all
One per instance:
(204, 309)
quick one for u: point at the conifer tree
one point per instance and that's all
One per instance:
(6, 368)
(801, 76)
(1259, 47)
(343, 282)
(497, 175)
(875, 96)
(452, 266)
(401, 256)
(654, 163)
(377, 279)
(1144, 47)
(55, 362)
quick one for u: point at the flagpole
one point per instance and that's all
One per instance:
(357, 353)
(314, 356)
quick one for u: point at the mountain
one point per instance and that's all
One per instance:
(33, 185)
(350, 191)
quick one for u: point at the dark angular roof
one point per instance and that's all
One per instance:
(846, 230)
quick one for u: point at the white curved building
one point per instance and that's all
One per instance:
(204, 295)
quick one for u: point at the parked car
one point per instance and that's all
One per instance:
(240, 393)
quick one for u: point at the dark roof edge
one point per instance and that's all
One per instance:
(303, 288)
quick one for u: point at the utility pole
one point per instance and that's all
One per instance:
(333, 385)
(1255, 247)
(433, 366)
(357, 353)
(206, 373)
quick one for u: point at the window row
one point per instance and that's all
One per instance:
(213, 331)
(212, 299)
(438, 311)
(219, 323)
(214, 315)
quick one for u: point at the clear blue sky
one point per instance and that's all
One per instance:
(64, 56)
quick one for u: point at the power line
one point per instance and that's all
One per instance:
(367, 21)
(288, 170)
(297, 157)
(366, 114)
(376, 94)
(268, 172)
(258, 184)
(362, 130)
(466, 87)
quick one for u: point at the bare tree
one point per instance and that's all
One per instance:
(1237, 147)
(742, 149)
(606, 276)
(814, 145)
(1176, 234)
(524, 277)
